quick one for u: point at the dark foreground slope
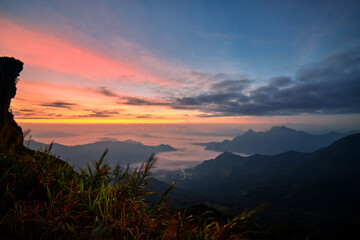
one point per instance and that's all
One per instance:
(306, 193)
(275, 141)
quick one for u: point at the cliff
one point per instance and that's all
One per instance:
(11, 136)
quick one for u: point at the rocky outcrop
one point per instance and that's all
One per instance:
(11, 136)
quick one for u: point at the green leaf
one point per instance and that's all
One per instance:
(81, 187)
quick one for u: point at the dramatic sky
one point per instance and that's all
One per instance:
(184, 61)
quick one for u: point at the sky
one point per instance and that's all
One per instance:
(185, 61)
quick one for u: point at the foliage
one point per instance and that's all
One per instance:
(42, 197)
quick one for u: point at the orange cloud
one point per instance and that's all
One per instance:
(42, 101)
(66, 95)
(46, 51)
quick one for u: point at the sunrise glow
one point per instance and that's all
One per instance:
(117, 70)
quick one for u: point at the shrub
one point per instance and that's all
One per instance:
(42, 197)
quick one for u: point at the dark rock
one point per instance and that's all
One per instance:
(11, 135)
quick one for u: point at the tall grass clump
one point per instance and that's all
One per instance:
(42, 197)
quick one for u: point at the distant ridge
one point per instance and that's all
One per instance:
(318, 192)
(276, 140)
(120, 152)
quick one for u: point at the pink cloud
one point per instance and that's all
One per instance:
(61, 55)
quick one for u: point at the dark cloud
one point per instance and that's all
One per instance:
(218, 78)
(145, 116)
(232, 85)
(26, 110)
(24, 113)
(36, 117)
(216, 98)
(148, 116)
(59, 104)
(136, 101)
(142, 102)
(204, 99)
(280, 82)
(55, 115)
(35, 114)
(330, 86)
(100, 113)
(107, 92)
(187, 101)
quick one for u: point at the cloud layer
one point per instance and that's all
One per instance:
(330, 86)
(59, 104)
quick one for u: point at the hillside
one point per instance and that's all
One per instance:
(276, 140)
(316, 192)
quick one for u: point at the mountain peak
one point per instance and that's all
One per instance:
(348, 142)
(281, 128)
(249, 132)
(132, 141)
(225, 154)
(276, 140)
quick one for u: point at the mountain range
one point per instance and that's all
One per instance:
(302, 195)
(314, 194)
(119, 152)
(276, 140)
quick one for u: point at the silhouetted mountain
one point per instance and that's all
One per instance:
(123, 152)
(120, 152)
(317, 193)
(276, 140)
(177, 198)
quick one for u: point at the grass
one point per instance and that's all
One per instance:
(42, 197)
